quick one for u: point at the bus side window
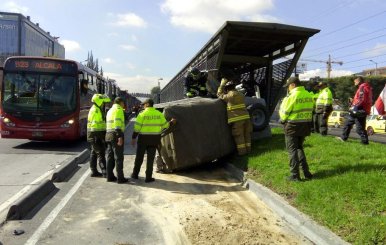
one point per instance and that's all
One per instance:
(83, 86)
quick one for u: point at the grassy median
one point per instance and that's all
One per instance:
(348, 192)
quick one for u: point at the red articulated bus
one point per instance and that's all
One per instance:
(46, 98)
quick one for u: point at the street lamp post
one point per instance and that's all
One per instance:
(376, 67)
(159, 89)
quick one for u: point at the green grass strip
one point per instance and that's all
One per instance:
(348, 192)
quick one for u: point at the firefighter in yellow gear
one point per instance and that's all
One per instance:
(238, 116)
(96, 131)
(148, 127)
(296, 115)
(115, 141)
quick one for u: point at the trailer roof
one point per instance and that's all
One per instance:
(260, 39)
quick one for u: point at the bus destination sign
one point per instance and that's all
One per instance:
(40, 66)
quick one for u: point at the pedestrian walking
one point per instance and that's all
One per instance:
(96, 131)
(115, 141)
(147, 128)
(238, 116)
(360, 108)
(296, 115)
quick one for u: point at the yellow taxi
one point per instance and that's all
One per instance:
(337, 118)
(376, 124)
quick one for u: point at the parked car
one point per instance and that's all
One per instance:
(337, 118)
(376, 124)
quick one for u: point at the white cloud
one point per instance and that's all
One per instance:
(112, 34)
(128, 47)
(323, 74)
(70, 46)
(135, 84)
(209, 15)
(108, 60)
(130, 19)
(379, 49)
(134, 38)
(14, 7)
(130, 66)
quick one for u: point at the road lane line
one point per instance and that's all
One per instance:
(15, 197)
(54, 213)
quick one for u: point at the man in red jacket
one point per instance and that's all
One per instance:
(360, 108)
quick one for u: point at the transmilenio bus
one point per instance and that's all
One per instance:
(47, 98)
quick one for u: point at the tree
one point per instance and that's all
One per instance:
(155, 92)
(343, 87)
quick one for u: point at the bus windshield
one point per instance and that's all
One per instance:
(40, 93)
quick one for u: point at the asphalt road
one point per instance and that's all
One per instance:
(204, 206)
(25, 164)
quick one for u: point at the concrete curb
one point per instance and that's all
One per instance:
(69, 166)
(298, 221)
(24, 205)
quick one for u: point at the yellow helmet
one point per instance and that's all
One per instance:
(99, 99)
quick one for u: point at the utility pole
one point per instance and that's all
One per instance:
(376, 67)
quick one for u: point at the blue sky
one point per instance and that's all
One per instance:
(139, 41)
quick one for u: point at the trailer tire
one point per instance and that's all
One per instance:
(259, 116)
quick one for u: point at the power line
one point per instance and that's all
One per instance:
(350, 39)
(353, 61)
(382, 47)
(346, 46)
(351, 67)
(357, 22)
(329, 11)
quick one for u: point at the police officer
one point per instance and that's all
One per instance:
(96, 131)
(148, 126)
(238, 116)
(296, 115)
(195, 83)
(115, 141)
(323, 108)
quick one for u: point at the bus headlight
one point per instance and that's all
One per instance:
(8, 122)
(67, 124)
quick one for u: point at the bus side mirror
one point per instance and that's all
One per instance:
(84, 86)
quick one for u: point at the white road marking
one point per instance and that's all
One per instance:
(54, 213)
(15, 197)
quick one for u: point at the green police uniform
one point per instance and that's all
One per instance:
(148, 127)
(115, 129)
(296, 114)
(96, 130)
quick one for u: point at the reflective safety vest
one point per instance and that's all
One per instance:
(297, 106)
(324, 99)
(115, 119)
(95, 121)
(236, 109)
(150, 122)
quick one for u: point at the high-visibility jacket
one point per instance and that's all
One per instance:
(95, 120)
(236, 109)
(324, 101)
(149, 125)
(115, 121)
(297, 106)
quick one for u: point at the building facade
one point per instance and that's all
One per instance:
(20, 36)
(379, 71)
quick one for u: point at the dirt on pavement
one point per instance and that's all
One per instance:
(213, 208)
